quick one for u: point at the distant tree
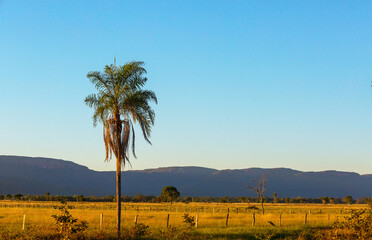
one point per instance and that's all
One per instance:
(274, 196)
(125, 199)
(8, 197)
(18, 196)
(195, 199)
(139, 198)
(260, 187)
(332, 200)
(223, 200)
(207, 199)
(169, 194)
(1, 197)
(47, 196)
(226, 199)
(368, 201)
(110, 198)
(80, 198)
(325, 200)
(300, 200)
(348, 199)
(119, 104)
(187, 199)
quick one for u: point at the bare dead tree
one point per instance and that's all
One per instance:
(260, 187)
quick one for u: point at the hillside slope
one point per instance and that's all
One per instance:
(28, 175)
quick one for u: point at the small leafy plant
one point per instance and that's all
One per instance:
(189, 220)
(67, 224)
(139, 230)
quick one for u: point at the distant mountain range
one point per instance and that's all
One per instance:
(28, 175)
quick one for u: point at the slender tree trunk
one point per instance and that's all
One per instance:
(262, 206)
(118, 194)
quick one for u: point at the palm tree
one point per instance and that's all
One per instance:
(274, 195)
(119, 104)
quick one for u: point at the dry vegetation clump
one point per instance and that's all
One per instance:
(357, 226)
(138, 231)
(181, 233)
(30, 233)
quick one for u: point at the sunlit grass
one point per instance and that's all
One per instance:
(211, 216)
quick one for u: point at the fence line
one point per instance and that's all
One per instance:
(205, 210)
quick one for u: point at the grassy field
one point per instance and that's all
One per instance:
(287, 220)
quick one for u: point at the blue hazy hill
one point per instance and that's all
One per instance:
(28, 175)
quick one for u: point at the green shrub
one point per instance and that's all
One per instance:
(189, 220)
(138, 231)
(67, 225)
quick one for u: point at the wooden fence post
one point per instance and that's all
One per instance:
(100, 222)
(197, 220)
(227, 219)
(329, 216)
(305, 218)
(253, 218)
(168, 220)
(280, 218)
(24, 222)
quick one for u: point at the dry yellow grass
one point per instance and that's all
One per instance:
(210, 215)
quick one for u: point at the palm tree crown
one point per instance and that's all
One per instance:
(120, 103)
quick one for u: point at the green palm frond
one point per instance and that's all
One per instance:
(119, 104)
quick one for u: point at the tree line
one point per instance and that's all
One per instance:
(187, 199)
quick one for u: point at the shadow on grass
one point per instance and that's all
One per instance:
(261, 234)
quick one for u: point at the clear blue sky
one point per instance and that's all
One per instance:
(240, 83)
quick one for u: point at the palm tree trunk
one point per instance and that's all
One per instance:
(118, 194)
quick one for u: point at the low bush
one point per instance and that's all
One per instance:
(68, 225)
(357, 226)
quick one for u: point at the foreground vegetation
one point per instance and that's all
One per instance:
(214, 220)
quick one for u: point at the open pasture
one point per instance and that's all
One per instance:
(214, 219)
